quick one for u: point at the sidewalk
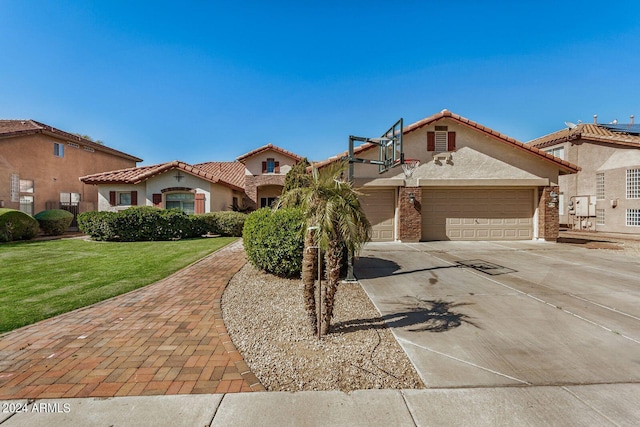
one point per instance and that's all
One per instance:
(165, 338)
(581, 405)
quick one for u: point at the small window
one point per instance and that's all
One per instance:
(26, 204)
(26, 186)
(124, 199)
(69, 199)
(600, 186)
(633, 184)
(599, 216)
(441, 141)
(633, 217)
(15, 187)
(557, 152)
(271, 165)
(58, 150)
(266, 202)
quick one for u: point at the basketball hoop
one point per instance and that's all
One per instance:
(409, 166)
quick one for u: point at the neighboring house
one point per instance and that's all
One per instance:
(605, 194)
(40, 166)
(473, 183)
(255, 180)
(265, 170)
(167, 185)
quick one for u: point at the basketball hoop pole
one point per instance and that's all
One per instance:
(390, 154)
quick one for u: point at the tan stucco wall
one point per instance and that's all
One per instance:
(254, 163)
(611, 160)
(31, 157)
(217, 197)
(477, 157)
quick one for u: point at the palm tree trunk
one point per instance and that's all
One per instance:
(333, 261)
(309, 276)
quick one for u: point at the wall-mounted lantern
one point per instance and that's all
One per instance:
(412, 198)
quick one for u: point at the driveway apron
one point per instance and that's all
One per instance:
(486, 314)
(165, 338)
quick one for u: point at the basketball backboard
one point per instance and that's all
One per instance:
(390, 148)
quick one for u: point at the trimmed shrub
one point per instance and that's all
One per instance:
(98, 225)
(274, 240)
(54, 222)
(141, 223)
(17, 225)
(227, 223)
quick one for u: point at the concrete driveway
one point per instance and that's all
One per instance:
(493, 314)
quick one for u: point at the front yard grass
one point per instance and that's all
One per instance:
(39, 280)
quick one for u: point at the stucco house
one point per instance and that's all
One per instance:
(605, 195)
(473, 183)
(254, 180)
(40, 166)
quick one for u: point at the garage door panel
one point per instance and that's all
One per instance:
(490, 214)
(379, 206)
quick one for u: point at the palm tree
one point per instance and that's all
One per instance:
(333, 206)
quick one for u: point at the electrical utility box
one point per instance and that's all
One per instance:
(585, 206)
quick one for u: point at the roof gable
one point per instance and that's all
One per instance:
(564, 165)
(16, 128)
(142, 173)
(269, 147)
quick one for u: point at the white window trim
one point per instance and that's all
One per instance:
(633, 183)
(633, 215)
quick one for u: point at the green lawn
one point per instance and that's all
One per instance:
(39, 280)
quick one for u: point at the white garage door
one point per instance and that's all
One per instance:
(487, 214)
(379, 206)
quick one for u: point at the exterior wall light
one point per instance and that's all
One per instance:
(412, 198)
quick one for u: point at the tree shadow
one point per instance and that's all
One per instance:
(422, 316)
(373, 268)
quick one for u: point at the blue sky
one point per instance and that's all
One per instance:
(209, 80)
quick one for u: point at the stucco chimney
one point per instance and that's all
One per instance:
(595, 119)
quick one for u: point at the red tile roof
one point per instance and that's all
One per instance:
(590, 132)
(267, 148)
(446, 114)
(15, 128)
(142, 173)
(231, 172)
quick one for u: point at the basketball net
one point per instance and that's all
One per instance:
(409, 166)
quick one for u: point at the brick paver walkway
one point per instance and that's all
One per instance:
(166, 338)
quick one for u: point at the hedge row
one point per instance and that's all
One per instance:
(149, 223)
(274, 240)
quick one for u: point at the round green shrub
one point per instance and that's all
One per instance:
(17, 225)
(274, 240)
(54, 222)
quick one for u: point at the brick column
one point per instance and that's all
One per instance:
(410, 216)
(548, 215)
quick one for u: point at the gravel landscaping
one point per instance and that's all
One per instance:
(266, 320)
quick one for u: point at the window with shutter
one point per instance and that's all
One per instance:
(112, 198)
(134, 198)
(451, 141)
(441, 141)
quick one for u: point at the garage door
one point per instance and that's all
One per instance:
(379, 206)
(488, 214)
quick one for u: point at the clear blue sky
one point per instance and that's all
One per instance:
(211, 80)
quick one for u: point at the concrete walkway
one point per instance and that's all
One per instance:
(588, 405)
(166, 338)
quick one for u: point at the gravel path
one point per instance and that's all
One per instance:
(266, 320)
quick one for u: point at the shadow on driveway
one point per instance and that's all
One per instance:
(425, 316)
